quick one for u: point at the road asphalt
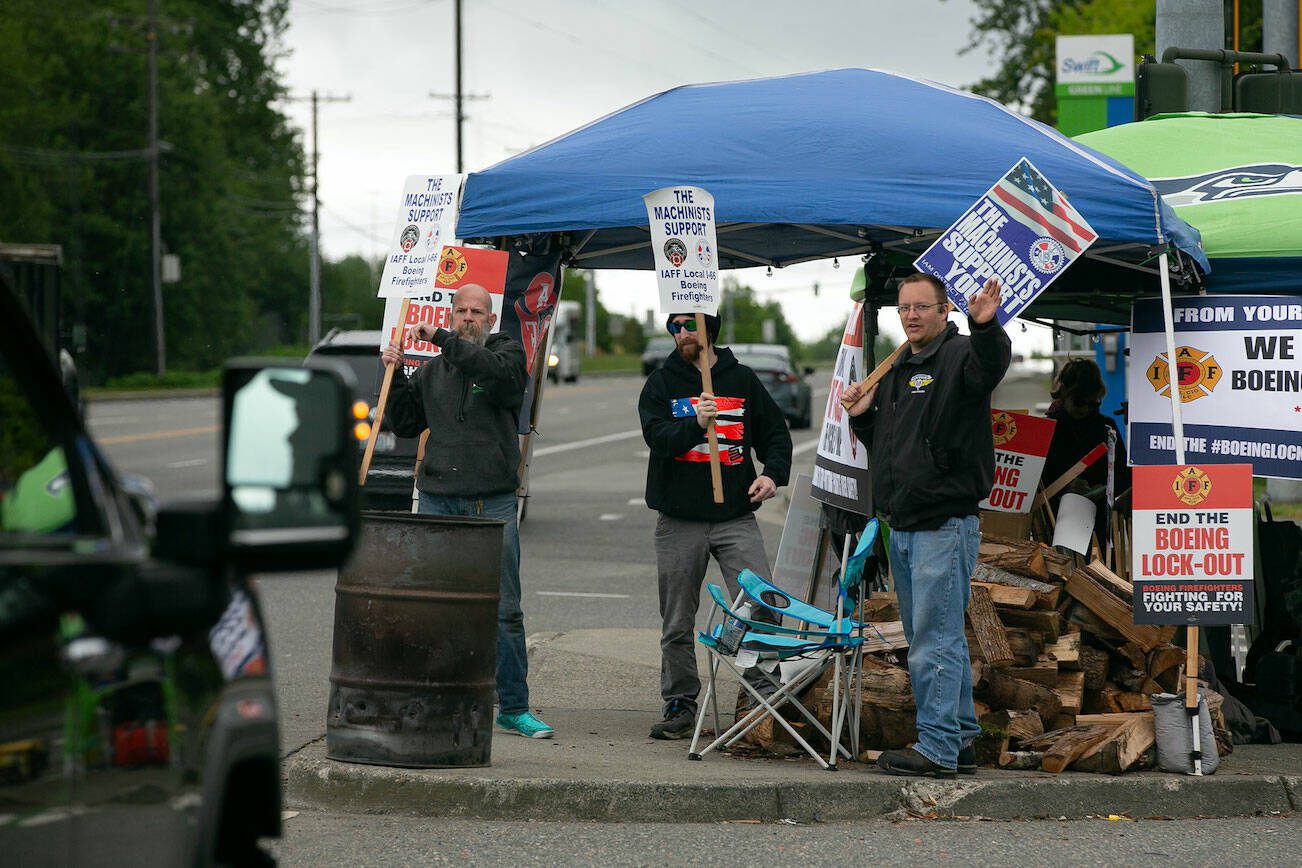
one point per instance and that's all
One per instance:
(597, 687)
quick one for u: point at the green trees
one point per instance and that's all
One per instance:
(73, 122)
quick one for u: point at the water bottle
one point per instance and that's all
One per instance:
(733, 631)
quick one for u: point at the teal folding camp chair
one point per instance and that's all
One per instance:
(827, 637)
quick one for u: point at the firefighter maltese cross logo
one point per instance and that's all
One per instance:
(410, 236)
(1004, 427)
(675, 252)
(1197, 371)
(1191, 486)
(452, 267)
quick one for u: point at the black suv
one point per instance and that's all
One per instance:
(392, 474)
(138, 723)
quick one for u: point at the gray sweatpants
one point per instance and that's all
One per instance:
(683, 549)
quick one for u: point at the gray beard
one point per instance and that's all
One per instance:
(473, 336)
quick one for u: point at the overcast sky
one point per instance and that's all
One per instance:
(539, 68)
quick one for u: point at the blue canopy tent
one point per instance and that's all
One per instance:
(813, 166)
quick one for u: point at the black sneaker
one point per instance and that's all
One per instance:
(967, 764)
(679, 722)
(911, 763)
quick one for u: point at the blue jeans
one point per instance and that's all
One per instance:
(512, 659)
(932, 571)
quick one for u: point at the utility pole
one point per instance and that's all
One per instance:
(314, 264)
(155, 218)
(457, 96)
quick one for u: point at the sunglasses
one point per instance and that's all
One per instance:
(676, 327)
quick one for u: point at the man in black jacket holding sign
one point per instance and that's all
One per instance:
(675, 412)
(933, 461)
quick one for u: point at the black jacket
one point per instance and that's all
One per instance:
(469, 397)
(933, 453)
(678, 472)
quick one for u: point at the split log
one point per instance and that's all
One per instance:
(1074, 743)
(1066, 651)
(1104, 604)
(988, 628)
(880, 606)
(996, 575)
(1025, 649)
(1020, 760)
(1165, 666)
(1071, 691)
(1032, 619)
(1016, 725)
(1003, 691)
(1007, 595)
(1131, 738)
(1044, 672)
(1064, 720)
(1110, 580)
(1094, 663)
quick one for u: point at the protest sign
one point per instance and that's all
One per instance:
(426, 221)
(1021, 446)
(1192, 556)
(1021, 232)
(686, 252)
(457, 267)
(841, 466)
(1239, 365)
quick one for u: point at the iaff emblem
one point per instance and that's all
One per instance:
(1191, 486)
(675, 252)
(452, 266)
(1197, 371)
(409, 237)
(1004, 427)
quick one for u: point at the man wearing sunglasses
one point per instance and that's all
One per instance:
(933, 460)
(675, 412)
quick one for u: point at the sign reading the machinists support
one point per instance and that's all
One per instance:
(1192, 555)
(1022, 232)
(686, 252)
(1021, 446)
(426, 221)
(457, 267)
(841, 465)
(1239, 367)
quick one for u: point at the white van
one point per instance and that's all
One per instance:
(564, 343)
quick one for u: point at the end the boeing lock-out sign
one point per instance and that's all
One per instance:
(686, 252)
(1022, 232)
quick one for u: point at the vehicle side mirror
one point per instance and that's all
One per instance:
(289, 479)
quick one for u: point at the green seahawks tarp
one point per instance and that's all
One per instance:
(1237, 178)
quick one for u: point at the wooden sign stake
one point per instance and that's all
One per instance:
(716, 474)
(878, 372)
(400, 335)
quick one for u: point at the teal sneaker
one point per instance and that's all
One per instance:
(525, 724)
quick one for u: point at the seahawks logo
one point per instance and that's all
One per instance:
(1239, 182)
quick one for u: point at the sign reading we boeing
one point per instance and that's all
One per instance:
(1095, 66)
(1239, 371)
(1022, 232)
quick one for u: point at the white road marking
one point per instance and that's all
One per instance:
(583, 444)
(580, 594)
(194, 462)
(612, 516)
(639, 501)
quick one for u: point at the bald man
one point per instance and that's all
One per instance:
(469, 398)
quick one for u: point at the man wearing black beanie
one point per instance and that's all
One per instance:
(675, 412)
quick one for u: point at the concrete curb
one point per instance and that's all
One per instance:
(854, 793)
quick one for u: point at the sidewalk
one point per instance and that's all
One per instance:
(599, 689)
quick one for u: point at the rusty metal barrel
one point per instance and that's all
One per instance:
(412, 677)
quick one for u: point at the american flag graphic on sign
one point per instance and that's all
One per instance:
(729, 425)
(1032, 201)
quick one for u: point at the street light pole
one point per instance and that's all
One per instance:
(155, 218)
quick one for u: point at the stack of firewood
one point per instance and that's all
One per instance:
(1061, 674)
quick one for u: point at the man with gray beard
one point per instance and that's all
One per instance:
(469, 397)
